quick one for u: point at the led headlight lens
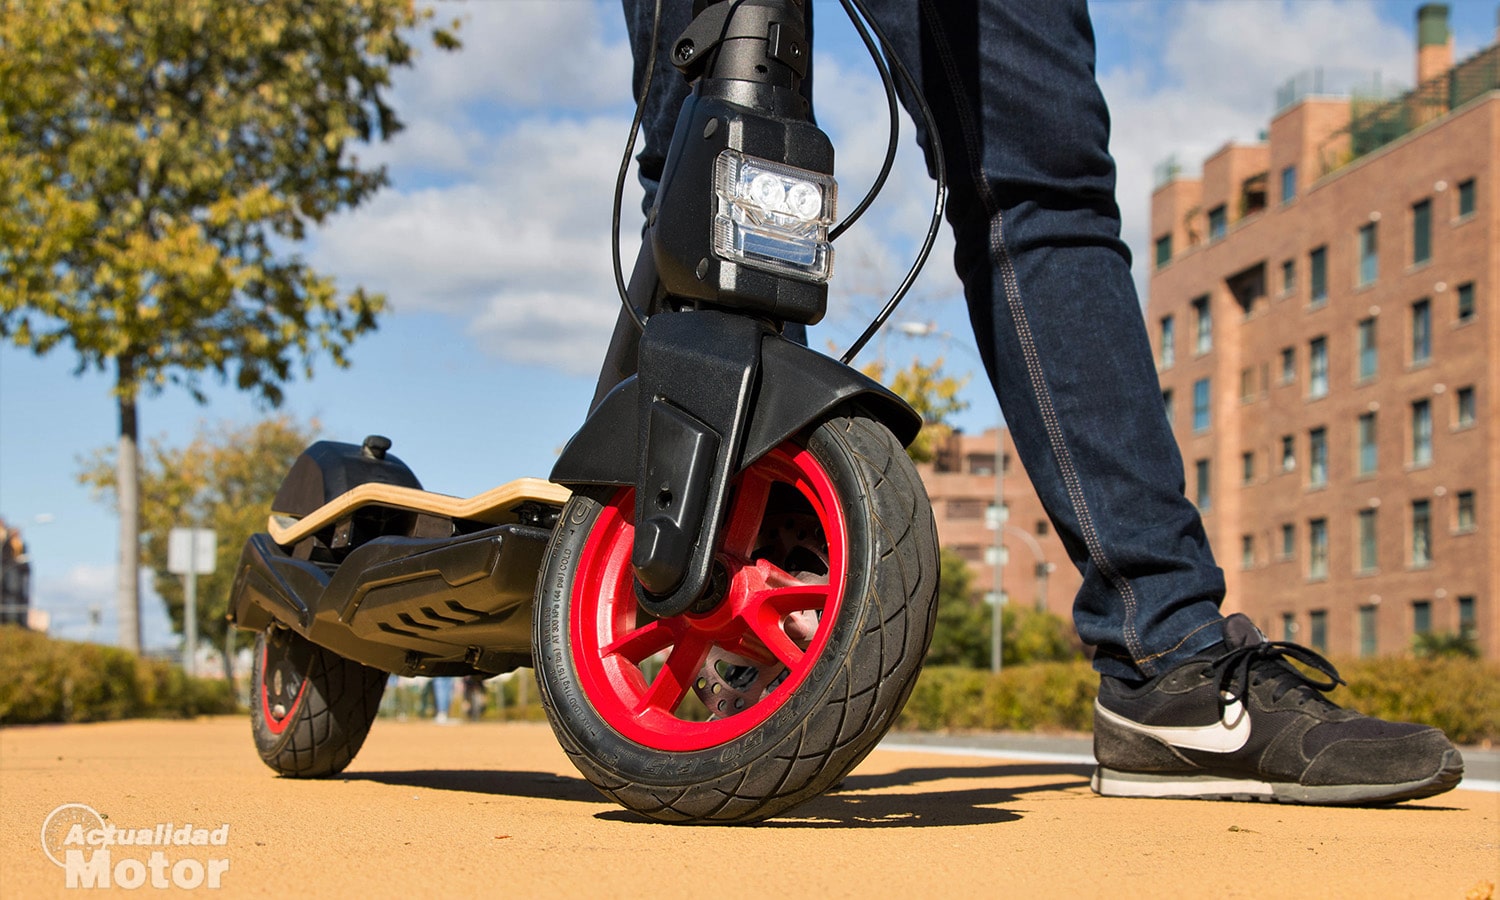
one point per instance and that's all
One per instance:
(774, 217)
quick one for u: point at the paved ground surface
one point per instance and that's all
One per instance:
(437, 811)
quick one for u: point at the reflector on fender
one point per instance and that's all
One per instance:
(774, 217)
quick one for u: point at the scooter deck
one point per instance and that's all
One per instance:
(493, 507)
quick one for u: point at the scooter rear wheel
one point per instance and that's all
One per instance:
(310, 709)
(826, 588)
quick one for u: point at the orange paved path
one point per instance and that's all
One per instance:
(432, 811)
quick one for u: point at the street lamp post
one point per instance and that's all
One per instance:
(997, 565)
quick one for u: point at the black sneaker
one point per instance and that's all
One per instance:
(1240, 723)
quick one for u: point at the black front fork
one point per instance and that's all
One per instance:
(717, 384)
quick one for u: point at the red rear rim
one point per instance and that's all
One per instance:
(640, 673)
(289, 695)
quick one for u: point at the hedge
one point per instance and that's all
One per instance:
(1460, 696)
(45, 680)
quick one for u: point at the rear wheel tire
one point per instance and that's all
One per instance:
(310, 709)
(828, 575)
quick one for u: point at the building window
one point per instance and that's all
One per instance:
(1466, 198)
(1368, 549)
(1317, 276)
(1317, 457)
(1168, 342)
(1288, 453)
(1288, 365)
(1288, 626)
(1166, 404)
(1204, 473)
(1421, 533)
(1201, 414)
(1288, 277)
(1288, 184)
(1421, 433)
(1317, 548)
(1369, 359)
(1288, 540)
(1368, 456)
(1367, 630)
(1421, 332)
(1464, 512)
(1369, 254)
(1464, 401)
(1247, 385)
(1466, 616)
(1317, 630)
(1247, 467)
(1163, 250)
(1421, 616)
(1203, 326)
(966, 508)
(1317, 368)
(1247, 551)
(1421, 232)
(1466, 302)
(1218, 222)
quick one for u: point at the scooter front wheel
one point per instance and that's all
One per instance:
(772, 690)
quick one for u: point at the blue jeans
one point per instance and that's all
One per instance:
(1025, 135)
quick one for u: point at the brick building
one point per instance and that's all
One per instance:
(1323, 309)
(961, 484)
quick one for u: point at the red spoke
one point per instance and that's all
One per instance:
(676, 677)
(749, 510)
(783, 600)
(640, 643)
(767, 626)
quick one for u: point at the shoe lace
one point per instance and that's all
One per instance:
(1244, 665)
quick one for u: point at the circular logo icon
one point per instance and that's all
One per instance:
(60, 822)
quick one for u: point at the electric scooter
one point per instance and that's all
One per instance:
(728, 582)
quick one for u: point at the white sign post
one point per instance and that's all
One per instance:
(190, 553)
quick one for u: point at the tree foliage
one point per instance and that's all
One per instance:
(933, 394)
(159, 162)
(961, 635)
(224, 479)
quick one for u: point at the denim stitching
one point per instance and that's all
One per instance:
(1040, 390)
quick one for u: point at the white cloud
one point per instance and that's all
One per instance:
(518, 248)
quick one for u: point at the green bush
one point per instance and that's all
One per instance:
(1459, 695)
(42, 680)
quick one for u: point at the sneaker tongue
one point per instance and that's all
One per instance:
(1239, 632)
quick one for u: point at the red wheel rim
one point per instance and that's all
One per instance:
(276, 724)
(612, 643)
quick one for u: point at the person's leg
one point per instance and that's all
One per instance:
(1025, 135)
(1191, 704)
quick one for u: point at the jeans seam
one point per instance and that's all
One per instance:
(1041, 393)
(1177, 646)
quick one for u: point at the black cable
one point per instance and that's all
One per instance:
(935, 144)
(893, 113)
(635, 127)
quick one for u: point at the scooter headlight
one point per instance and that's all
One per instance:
(774, 217)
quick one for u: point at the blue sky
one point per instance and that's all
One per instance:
(492, 243)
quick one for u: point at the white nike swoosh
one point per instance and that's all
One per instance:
(1227, 735)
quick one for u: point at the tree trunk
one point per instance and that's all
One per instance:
(128, 490)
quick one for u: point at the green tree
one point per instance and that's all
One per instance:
(159, 162)
(224, 480)
(961, 634)
(932, 394)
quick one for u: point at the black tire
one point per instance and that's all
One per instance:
(310, 709)
(824, 716)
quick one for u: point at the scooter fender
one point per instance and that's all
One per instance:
(715, 393)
